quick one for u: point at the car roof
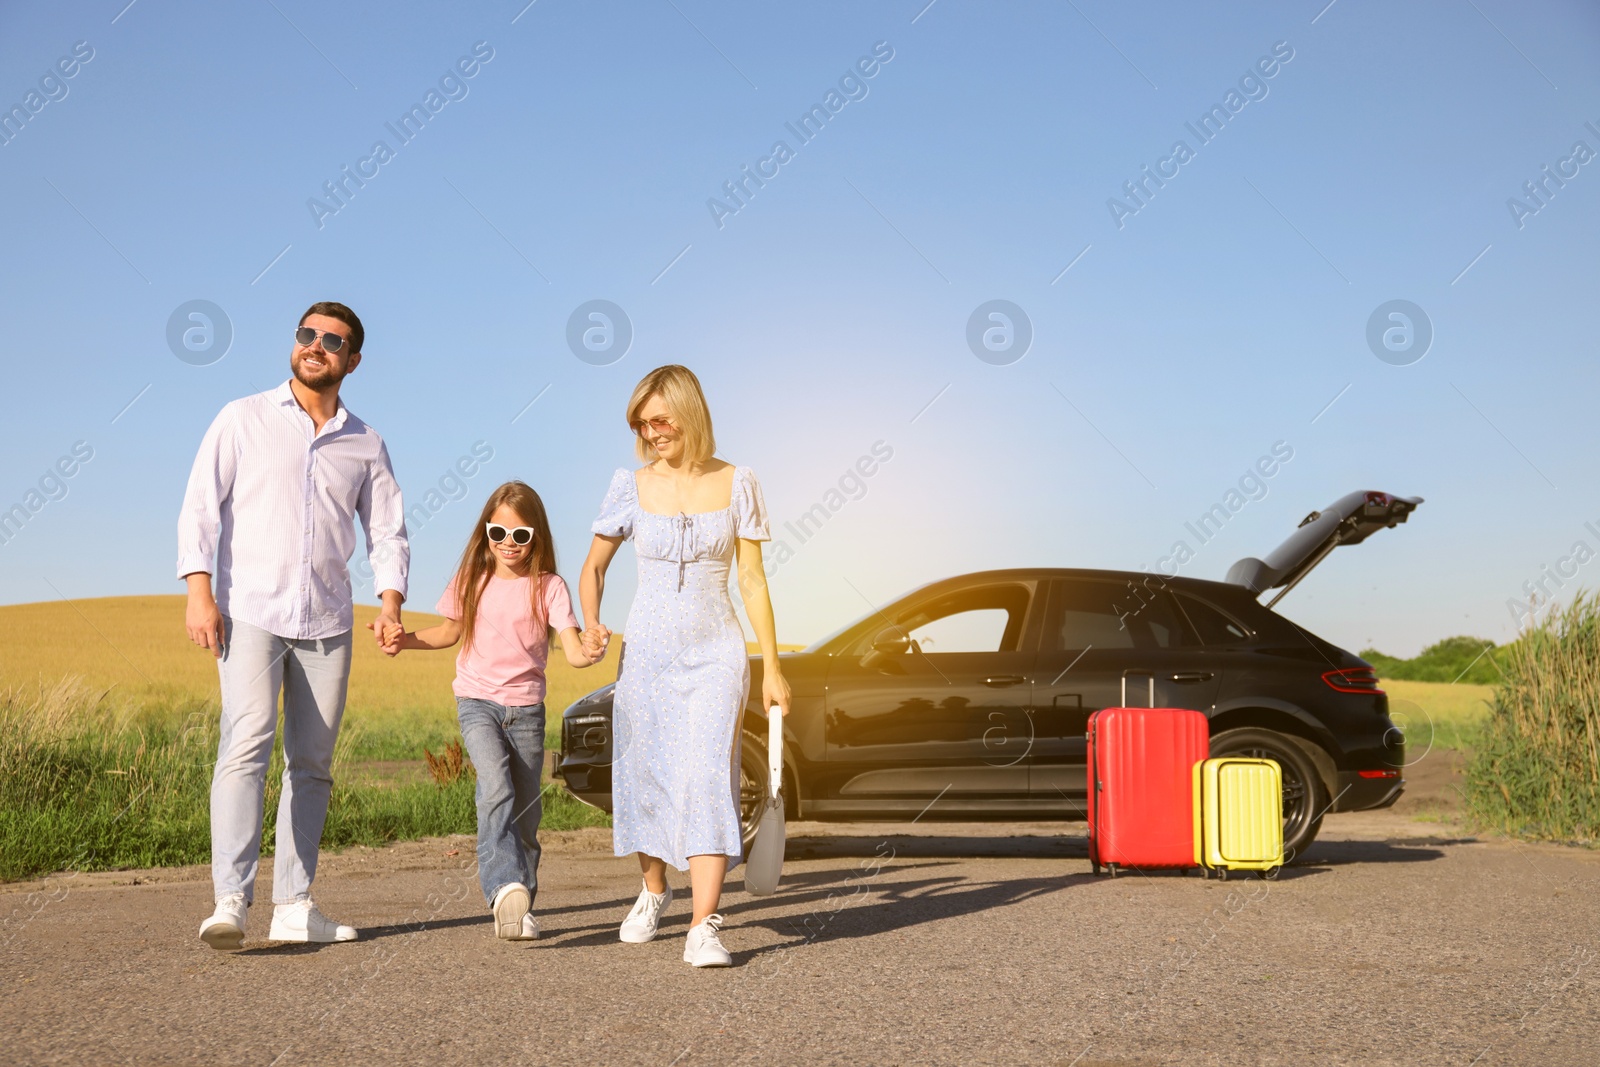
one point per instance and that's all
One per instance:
(1025, 573)
(1236, 598)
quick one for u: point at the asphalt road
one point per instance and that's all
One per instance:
(1395, 942)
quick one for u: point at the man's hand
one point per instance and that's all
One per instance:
(390, 635)
(386, 627)
(388, 631)
(200, 617)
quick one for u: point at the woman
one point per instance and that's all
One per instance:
(680, 697)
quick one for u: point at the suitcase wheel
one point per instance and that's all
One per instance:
(1222, 873)
(1111, 869)
(1271, 874)
(1095, 867)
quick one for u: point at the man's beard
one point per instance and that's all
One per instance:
(325, 379)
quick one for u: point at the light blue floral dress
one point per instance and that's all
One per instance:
(679, 701)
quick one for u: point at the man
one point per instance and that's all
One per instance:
(269, 511)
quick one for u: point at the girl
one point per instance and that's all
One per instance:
(681, 694)
(501, 605)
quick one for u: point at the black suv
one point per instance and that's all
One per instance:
(969, 697)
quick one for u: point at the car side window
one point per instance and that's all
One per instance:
(975, 620)
(1164, 624)
(1108, 615)
(1085, 615)
(1213, 626)
(978, 630)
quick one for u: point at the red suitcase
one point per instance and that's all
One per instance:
(1141, 784)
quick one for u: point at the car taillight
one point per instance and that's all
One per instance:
(1353, 680)
(1379, 774)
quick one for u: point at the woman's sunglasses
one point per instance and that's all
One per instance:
(662, 425)
(520, 535)
(305, 336)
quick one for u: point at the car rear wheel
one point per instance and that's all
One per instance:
(1305, 799)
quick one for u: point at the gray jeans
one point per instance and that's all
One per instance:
(313, 677)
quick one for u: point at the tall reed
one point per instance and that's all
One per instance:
(1535, 771)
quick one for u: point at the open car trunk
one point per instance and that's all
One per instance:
(1347, 521)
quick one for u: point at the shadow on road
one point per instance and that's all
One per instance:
(866, 909)
(366, 933)
(812, 902)
(952, 847)
(1395, 850)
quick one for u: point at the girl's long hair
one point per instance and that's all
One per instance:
(478, 563)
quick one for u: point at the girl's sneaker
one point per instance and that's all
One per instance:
(641, 923)
(510, 908)
(703, 947)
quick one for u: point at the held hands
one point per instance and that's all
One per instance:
(593, 641)
(389, 634)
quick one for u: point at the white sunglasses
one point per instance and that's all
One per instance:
(520, 535)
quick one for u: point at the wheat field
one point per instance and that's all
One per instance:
(136, 648)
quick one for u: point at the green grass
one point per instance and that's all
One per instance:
(1438, 713)
(88, 783)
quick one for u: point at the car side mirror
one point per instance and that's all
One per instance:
(891, 641)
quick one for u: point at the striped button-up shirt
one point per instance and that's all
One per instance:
(270, 512)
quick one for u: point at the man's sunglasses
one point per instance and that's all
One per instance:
(520, 535)
(305, 336)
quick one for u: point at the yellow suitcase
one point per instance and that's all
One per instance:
(1238, 816)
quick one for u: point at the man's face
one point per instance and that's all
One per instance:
(313, 365)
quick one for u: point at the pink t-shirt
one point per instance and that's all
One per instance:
(507, 659)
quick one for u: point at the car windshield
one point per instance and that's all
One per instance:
(817, 645)
(834, 637)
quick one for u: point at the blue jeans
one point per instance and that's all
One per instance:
(506, 746)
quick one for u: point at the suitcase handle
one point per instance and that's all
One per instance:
(1150, 674)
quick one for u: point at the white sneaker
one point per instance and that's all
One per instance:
(510, 908)
(530, 928)
(225, 928)
(703, 947)
(640, 925)
(301, 921)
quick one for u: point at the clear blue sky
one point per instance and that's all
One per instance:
(830, 311)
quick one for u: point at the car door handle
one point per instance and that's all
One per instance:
(1193, 676)
(1000, 680)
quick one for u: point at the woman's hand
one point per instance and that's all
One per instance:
(581, 648)
(594, 640)
(774, 688)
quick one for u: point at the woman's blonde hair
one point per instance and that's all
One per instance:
(680, 391)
